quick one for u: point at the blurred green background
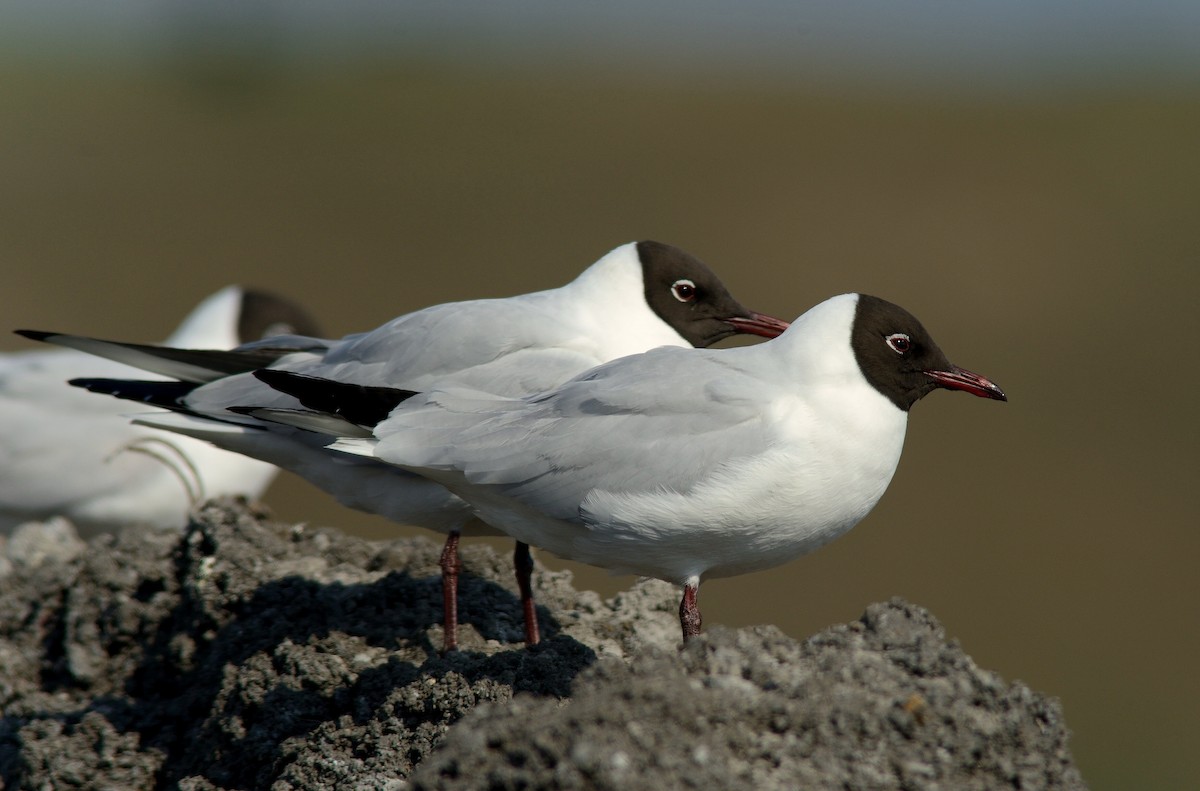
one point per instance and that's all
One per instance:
(1041, 217)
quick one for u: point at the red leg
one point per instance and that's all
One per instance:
(689, 613)
(450, 568)
(523, 563)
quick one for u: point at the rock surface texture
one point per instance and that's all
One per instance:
(243, 654)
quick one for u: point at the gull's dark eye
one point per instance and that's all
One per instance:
(684, 290)
(899, 342)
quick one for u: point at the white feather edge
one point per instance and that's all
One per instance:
(355, 446)
(187, 425)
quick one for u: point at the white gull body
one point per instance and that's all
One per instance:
(65, 452)
(639, 296)
(509, 346)
(680, 464)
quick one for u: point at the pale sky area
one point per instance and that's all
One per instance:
(1005, 43)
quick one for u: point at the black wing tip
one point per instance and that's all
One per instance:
(95, 385)
(290, 381)
(363, 405)
(35, 335)
(279, 380)
(167, 395)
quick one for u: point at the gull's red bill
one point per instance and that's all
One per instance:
(961, 379)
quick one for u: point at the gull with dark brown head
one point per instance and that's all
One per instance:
(679, 464)
(639, 296)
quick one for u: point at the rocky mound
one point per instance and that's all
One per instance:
(243, 654)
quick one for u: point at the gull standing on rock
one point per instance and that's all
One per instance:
(637, 297)
(679, 464)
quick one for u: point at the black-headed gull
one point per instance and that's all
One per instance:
(678, 464)
(63, 452)
(637, 297)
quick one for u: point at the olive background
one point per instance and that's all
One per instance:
(1048, 238)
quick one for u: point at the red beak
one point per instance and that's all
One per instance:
(961, 379)
(759, 324)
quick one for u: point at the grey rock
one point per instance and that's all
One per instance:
(243, 654)
(34, 543)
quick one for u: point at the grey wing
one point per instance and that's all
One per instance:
(442, 346)
(665, 419)
(506, 347)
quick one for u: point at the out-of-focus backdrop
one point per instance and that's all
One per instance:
(1024, 177)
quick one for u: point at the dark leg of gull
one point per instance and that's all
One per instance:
(450, 568)
(523, 563)
(689, 613)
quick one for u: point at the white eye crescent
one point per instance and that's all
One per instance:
(899, 342)
(684, 290)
